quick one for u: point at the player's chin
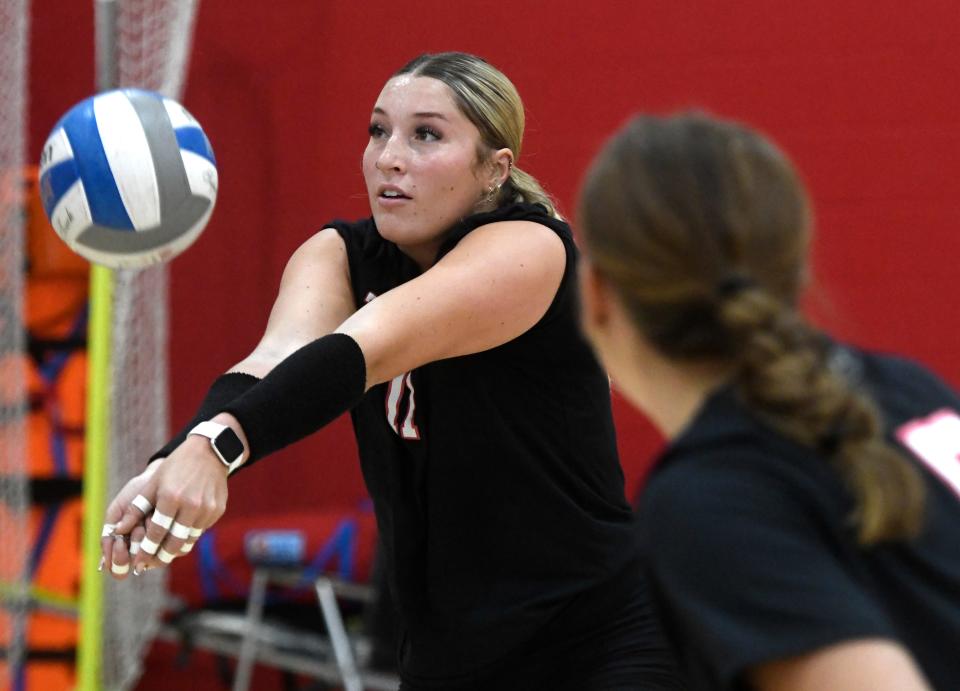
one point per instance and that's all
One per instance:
(395, 227)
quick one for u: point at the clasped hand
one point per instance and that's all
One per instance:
(160, 513)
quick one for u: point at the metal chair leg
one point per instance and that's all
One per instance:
(342, 651)
(248, 648)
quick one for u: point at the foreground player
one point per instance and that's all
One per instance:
(446, 323)
(793, 544)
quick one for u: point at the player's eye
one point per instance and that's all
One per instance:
(376, 131)
(427, 134)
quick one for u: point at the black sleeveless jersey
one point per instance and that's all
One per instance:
(753, 555)
(495, 478)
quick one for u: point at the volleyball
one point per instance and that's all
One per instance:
(128, 178)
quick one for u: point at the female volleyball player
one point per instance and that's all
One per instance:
(446, 324)
(802, 527)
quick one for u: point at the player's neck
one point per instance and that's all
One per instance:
(670, 392)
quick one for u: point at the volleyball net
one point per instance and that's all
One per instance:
(14, 500)
(146, 44)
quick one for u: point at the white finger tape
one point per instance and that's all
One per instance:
(142, 503)
(149, 546)
(179, 530)
(187, 546)
(120, 569)
(165, 556)
(162, 520)
(134, 548)
(108, 529)
(196, 532)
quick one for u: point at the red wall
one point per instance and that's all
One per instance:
(862, 94)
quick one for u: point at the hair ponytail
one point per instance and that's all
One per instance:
(523, 187)
(702, 226)
(783, 372)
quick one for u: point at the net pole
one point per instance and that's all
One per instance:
(97, 436)
(96, 451)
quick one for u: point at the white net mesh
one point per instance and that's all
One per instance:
(13, 488)
(152, 43)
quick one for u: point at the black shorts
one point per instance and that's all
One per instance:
(598, 643)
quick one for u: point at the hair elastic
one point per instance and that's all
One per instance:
(733, 284)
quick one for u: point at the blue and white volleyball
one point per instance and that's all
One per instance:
(128, 178)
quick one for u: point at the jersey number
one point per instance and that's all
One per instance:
(397, 392)
(400, 389)
(936, 441)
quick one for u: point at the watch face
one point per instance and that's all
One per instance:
(229, 446)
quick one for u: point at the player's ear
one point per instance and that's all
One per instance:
(502, 160)
(595, 297)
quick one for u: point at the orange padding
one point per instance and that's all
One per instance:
(46, 676)
(47, 255)
(58, 572)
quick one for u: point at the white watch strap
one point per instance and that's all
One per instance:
(210, 430)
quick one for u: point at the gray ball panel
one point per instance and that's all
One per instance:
(175, 224)
(172, 183)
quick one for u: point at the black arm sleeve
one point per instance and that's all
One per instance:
(310, 388)
(224, 389)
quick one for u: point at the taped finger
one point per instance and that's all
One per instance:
(135, 537)
(162, 519)
(180, 531)
(149, 546)
(195, 534)
(142, 503)
(120, 562)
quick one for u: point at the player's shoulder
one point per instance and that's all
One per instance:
(728, 460)
(519, 219)
(523, 211)
(902, 386)
(322, 247)
(359, 236)
(515, 237)
(706, 481)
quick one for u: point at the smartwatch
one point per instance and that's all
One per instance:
(224, 442)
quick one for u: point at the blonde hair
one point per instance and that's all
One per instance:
(490, 101)
(702, 226)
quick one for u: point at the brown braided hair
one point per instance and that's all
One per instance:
(702, 227)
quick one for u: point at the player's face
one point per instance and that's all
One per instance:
(421, 165)
(607, 326)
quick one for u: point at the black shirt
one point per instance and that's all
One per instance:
(495, 479)
(752, 553)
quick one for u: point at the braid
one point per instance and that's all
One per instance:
(784, 374)
(703, 228)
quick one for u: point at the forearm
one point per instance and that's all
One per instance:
(224, 390)
(309, 389)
